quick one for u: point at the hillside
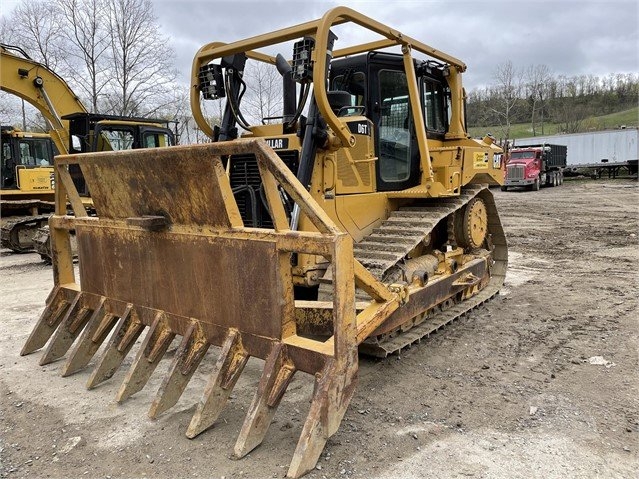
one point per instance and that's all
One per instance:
(628, 118)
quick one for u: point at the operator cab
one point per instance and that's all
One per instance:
(378, 89)
(23, 150)
(96, 132)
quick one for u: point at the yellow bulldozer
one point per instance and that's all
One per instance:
(27, 187)
(360, 220)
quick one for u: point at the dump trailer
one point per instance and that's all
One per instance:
(533, 166)
(363, 212)
(72, 130)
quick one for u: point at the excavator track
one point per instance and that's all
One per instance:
(17, 235)
(389, 244)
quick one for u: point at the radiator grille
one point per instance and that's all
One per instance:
(247, 187)
(516, 172)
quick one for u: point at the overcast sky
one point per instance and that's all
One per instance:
(572, 37)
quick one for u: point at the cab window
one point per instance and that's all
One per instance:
(115, 140)
(520, 155)
(395, 126)
(434, 103)
(154, 139)
(354, 83)
(41, 152)
(26, 154)
(6, 150)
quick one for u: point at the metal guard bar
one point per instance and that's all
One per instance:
(320, 29)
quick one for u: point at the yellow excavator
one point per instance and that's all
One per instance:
(360, 220)
(27, 164)
(28, 186)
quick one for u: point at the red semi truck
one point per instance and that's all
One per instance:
(533, 166)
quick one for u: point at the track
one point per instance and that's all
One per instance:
(17, 235)
(388, 246)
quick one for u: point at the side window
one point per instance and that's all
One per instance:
(354, 83)
(26, 155)
(395, 127)
(156, 140)
(6, 150)
(115, 140)
(7, 174)
(434, 106)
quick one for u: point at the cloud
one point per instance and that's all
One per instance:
(571, 37)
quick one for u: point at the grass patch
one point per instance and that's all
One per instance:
(629, 118)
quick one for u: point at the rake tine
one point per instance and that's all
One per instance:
(74, 320)
(48, 322)
(156, 342)
(277, 374)
(191, 351)
(87, 345)
(228, 369)
(123, 339)
(331, 396)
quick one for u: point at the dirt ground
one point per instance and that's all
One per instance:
(542, 382)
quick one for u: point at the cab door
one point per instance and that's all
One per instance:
(395, 142)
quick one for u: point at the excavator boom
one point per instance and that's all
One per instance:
(41, 87)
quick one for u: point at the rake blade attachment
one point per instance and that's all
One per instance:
(196, 265)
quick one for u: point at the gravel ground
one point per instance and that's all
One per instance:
(542, 382)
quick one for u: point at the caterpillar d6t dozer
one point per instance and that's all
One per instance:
(359, 220)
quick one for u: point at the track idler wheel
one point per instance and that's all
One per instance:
(471, 224)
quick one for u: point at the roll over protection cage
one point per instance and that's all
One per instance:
(320, 31)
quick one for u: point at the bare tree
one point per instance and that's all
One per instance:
(141, 60)
(568, 111)
(509, 84)
(263, 98)
(88, 33)
(538, 77)
(36, 27)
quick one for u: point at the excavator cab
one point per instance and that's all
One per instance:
(96, 132)
(26, 161)
(91, 132)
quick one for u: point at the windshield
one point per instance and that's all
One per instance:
(115, 139)
(520, 155)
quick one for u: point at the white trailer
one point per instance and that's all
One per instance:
(614, 146)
